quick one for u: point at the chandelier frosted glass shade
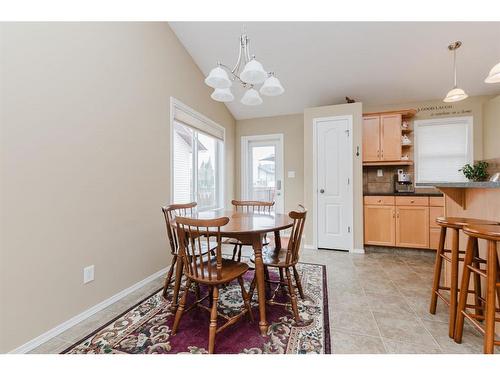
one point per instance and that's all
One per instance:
(251, 97)
(222, 95)
(494, 76)
(218, 79)
(455, 95)
(253, 73)
(272, 87)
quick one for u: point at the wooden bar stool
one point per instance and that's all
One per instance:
(490, 233)
(454, 224)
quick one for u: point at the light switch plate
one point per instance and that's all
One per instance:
(291, 174)
(380, 172)
(88, 274)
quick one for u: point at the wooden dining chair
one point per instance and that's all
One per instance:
(248, 206)
(285, 260)
(212, 271)
(170, 212)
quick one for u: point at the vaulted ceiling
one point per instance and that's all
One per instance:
(319, 63)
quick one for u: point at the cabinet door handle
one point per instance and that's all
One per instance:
(379, 201)
(382, 154)
(412, 201)
(393, 214)
(397, 214)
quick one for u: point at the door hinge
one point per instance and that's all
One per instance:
(348, 181)
(347, 132)
(348, 229)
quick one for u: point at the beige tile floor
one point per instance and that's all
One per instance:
(378, 303)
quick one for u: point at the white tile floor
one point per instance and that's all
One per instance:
(378, 303)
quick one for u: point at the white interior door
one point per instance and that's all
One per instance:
(262, 169)
(334, 182)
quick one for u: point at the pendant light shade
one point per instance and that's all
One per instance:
(272, 87)
(494, 76)
(251, 97)
(218, 79)
(253, 72)
(455, 95)
(222, 95)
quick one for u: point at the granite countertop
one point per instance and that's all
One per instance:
(436, 194)
(470, 184)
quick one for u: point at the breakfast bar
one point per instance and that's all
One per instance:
(478, 200)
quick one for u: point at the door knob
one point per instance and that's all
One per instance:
(321, 191)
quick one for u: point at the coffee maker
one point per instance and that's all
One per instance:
(403, 183)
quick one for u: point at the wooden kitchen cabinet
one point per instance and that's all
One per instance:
(390, 137)
(382, 138)
(379, 225)
(412, 226)
(402, 221)
(371, 138)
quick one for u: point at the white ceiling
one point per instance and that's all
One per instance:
(319, 63)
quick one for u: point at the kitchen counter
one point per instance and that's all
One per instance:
(465, 185)
(436, 194)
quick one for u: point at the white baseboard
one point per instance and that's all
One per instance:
(44, 337)
(309, 247)
(358, 251)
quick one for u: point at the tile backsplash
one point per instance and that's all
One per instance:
(373, 184)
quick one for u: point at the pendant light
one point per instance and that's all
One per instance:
(248, 72)
(455, 94)
(272, 86)
(251, 97)
(222, 95)
(494, 76)
(218, 78)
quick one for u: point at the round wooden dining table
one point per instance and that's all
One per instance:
(247, 227)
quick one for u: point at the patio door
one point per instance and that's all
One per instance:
(262, 169)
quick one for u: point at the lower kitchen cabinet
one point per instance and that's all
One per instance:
(402, 221)
(380, 225)
(412, 226)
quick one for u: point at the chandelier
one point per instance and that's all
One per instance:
(222, 77)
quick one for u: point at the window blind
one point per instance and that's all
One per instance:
(442, 147)
(200, 124)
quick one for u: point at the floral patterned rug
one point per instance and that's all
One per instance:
(146, 327)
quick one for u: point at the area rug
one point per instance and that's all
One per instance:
(146, 327)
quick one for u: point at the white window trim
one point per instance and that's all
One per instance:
(176, 104)
(467, 120)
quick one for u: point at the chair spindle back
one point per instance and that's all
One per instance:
(253, 206)
(170, 212)
(196, 236)
(299, 219)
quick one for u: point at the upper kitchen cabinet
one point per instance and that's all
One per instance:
(382, 137)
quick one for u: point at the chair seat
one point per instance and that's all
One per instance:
(233, 241)
(272, 257)
(230, 270)
(488, 232)
(460, 222)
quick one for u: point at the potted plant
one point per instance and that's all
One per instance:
(476, 172)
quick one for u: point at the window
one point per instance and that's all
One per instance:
(197, 154)
(442, 147)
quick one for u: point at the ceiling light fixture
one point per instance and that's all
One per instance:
(253, 73)
(455, 94)
(494, 76)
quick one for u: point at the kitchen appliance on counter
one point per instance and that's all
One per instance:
(403, 183)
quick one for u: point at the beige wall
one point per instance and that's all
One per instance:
(356, 111)
(84, 159)
(472, 106)
(291, 126)
(491, 128)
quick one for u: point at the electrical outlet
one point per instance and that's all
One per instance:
(380, 172)
(88, 274)
(291, 174)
